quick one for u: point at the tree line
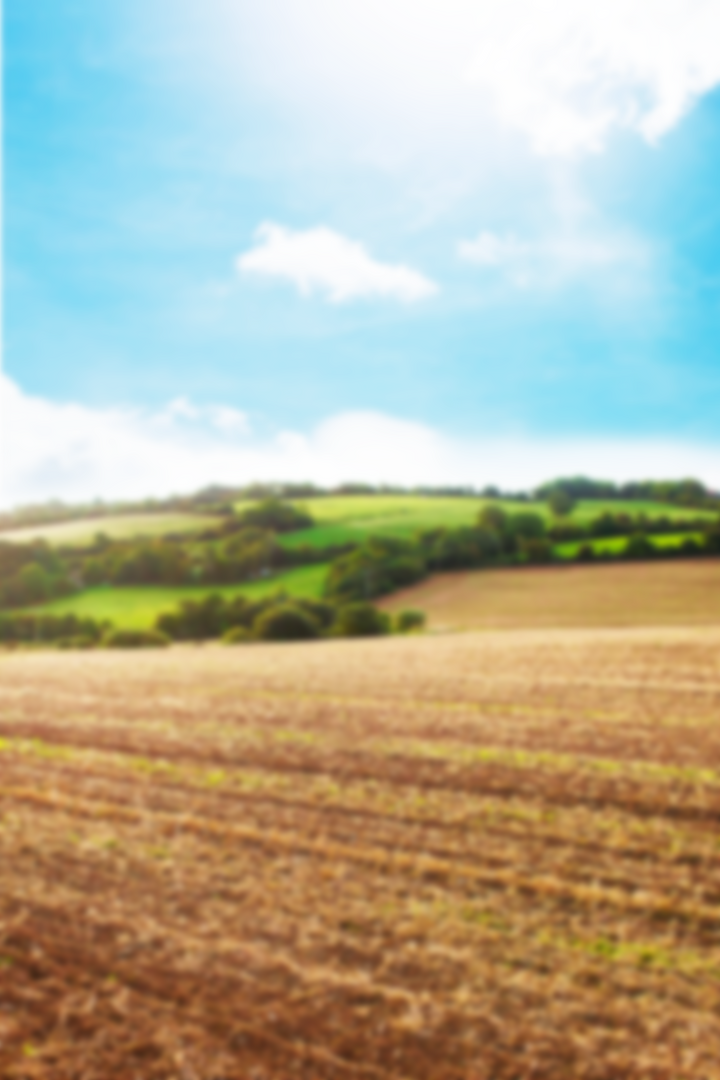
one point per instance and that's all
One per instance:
(219, 499)
(244, 547)
(238, 620)
(382, 565)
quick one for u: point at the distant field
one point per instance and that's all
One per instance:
(339, 519)
(352, 518)
(118, 527)
(611, 545)
(627, 594)
(137, 607)
(488, 856)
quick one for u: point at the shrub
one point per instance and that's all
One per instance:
(494, 518)
(276, 515)
(526, 525)
(48, 628)
(378, 566)
(537, 551)
(711, 541)
(639, 547)
(134, 639)
(322, 612)
(79, 641)
(286, 622)
(405, 621)
(360, 620)
(237, 635)
(194, 619)
(561, 502)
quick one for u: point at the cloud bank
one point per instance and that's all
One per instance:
(321, 260)
(570, 72)
(77, 453)
(566, 73)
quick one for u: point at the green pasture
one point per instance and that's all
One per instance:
(342, 519)
(137, 607)
(116, 526)
(612, 545)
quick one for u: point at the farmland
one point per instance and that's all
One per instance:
(137, 607)
(625, 594)
(682, 593)
(614, 545)
(116, 526)
(472, 856)
(341, 519)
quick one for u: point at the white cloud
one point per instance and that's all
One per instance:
(570, 72)
(221, 417)
(386, 75)
(548, 260)
(72, 452)
(324, 261)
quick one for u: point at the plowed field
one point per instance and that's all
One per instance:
(480, 856)
(664, 593)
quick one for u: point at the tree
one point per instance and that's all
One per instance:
(277, 515)
(361, 620)
(406, 621)
(639, 547)
(286, 622)
(493, 517)
(561, 502)
(526, 525)
(35, 584)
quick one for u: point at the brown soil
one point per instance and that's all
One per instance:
(619, 594)
(474, 856)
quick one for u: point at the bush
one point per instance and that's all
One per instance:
(494, 518)
(360, 620)
(194, 620)
(276, 515)
(322, 612)
(711, 541)
(380, 565)
(48, 628)
(405, 621)
(79, 641)
(526, 525)
(237, 635)
(286, 622)
(639, 547)
(561, 502)
(135, 639)
(537, 551)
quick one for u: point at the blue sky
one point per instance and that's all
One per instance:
(398, 241)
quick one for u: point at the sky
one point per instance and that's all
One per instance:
(408, 241)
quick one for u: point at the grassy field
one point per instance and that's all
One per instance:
(352, 518)
(682, 593)
(474, 857)
(137, 607)
(612, 545)
(118, 527)
(339, 519)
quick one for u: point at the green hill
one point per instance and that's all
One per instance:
(115, 526)
(343, 519)
(137, 607)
